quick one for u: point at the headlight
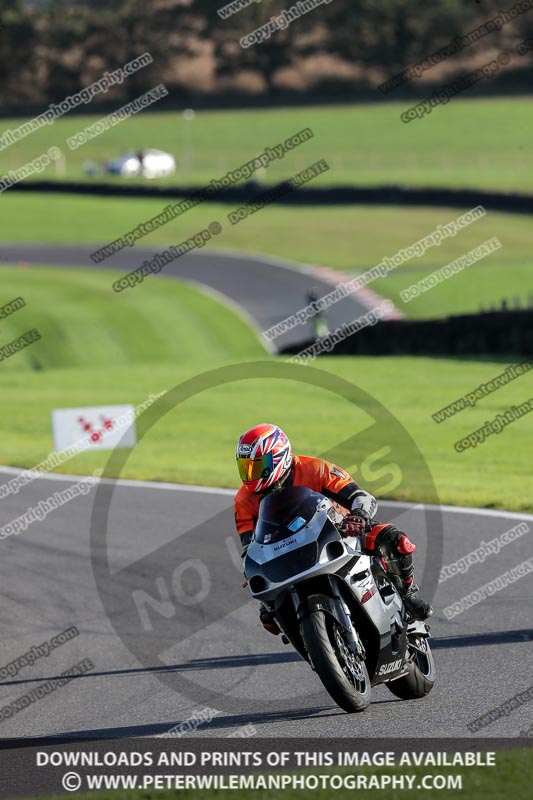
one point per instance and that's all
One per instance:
(257, 584)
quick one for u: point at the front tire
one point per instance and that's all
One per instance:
(422, 674)
(343, 674)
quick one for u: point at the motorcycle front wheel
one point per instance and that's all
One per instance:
(343, 673)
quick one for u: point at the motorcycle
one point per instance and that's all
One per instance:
(338, 607)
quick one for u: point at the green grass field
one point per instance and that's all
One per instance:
(351, 238)
(509, 778)
(83, 323)
(364, 144)
(101, 348)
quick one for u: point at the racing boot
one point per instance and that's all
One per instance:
(396, 551)
(268, 621)
(415, 606)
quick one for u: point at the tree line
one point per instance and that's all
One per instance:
(52, 48)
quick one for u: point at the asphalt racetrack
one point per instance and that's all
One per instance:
(159, 662)
(155, 589)
(266, 289)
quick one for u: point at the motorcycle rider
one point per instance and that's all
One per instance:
(266, 464)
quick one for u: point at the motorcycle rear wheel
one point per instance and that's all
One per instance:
(343, 674)
(421, 676)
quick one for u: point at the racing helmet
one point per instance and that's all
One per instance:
(264, 457)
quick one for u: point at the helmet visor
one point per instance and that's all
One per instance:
(253, 469)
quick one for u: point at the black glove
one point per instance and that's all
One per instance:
(246, 539)
(355, 523)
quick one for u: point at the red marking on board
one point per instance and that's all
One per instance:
(96, 435)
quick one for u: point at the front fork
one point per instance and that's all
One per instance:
(335, 607)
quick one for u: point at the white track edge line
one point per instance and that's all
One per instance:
(183, 487)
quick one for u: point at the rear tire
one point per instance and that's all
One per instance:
(421, 676)
(344, 676)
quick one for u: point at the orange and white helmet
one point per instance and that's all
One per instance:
(264, 457)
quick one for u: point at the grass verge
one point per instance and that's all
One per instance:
(351, 238)
(364, 144)
(98, 348)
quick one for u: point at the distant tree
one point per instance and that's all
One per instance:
(523, 26)
(17, 55)
(62, 33)
(116, 35)
(51, 48)
(385, 35)
(391, 34)
(280, 50)
(79, 41)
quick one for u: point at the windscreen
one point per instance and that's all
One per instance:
(284, 513)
